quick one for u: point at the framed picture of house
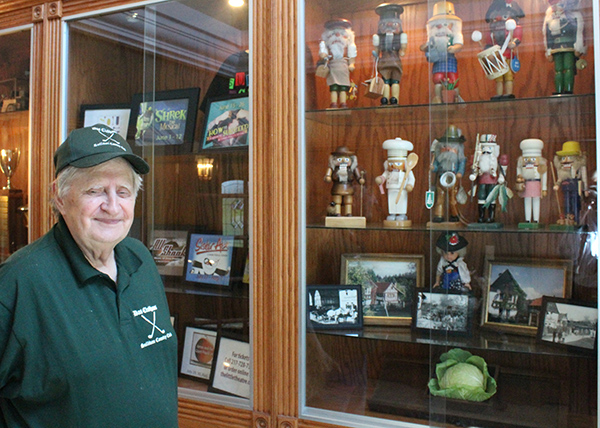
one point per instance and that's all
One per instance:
(334, 307)
(388, 283)
(569, 324)
(515, 289)
(443, 312)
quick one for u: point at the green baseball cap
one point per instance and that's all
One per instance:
(93, 145)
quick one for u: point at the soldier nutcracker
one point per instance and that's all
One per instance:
(337, 51)
(532, 180)
(571, 171)
(343, 170)
(398, 179)
(452, 273)
(390, 45)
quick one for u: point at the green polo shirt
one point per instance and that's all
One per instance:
(78, 350)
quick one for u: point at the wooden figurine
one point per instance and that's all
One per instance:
(337, 53)
(444, 41)
(488, 175)
(452, 273)
(389, 46)
(532, 180)
(399, 180)
(571, 179)
(564, 42)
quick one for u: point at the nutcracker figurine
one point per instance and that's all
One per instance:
(444, 41)
(389, 46)
(398, 179)
(564, 42)
(571, 179)
(452, 273)
(532, 180)
(337, 53)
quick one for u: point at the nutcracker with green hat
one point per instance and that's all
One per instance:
(452, 272)
(571, 178)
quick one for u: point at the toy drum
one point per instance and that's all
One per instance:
(493, 62)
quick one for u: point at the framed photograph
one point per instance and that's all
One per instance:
(198, 352)
(165, 120)
(168, 248)
(116, 116)
(569, 324)
(442, 312)
(231, 370)
(209, 259)
(388, 283)
(514, 291)
(227, 123)
(334, 307)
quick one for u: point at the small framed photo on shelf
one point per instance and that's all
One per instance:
(231, 369)
(115, 116)
(198, 352)
(227, 123)
(334, 307)
(209, 259)
(388, 283)
(569, 324)
(443, 312)
(165, 120)
(168, 249)
(515, 288)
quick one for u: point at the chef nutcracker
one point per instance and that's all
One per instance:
(337, 51)
(571, 179)
(452, 273)
(398, 179)
(488, 176)
(343, 170)
(444, 40)
(532, 180)
(564, 42)
(389, 46)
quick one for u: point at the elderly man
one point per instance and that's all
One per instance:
(85, 332)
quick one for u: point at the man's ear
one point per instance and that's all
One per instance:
(57, 200)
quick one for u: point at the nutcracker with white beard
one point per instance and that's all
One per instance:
(343, 171)
(532, 180)
(444, 40)
(337, 51)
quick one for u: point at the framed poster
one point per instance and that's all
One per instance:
(209, 259)
(334, 307)
(116, 116)
(165, 120)
(388, 284)
(227, 123)
(515, 288)
(198, 352)
(168, 249)
(443, 312)
(231, 368)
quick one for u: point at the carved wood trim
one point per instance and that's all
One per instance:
(286, 422)
(197, 414)
(261, 420)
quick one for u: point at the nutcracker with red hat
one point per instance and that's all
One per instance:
(532, 180)
(571, 178)
(452, 273)
(399, 180)
(389, 46)
(337, 53)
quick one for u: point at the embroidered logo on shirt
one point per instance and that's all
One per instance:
(148, 314)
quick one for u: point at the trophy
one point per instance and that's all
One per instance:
(9, 160)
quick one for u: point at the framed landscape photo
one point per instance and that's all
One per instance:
(388, 283)
(515, 288)
(198, 352)
(168, 249)
(334, 307)
(209, 259)
(569, 324)
(443, 312)
(227, 123)
(165, 120)
(231, 369)
(115, 116)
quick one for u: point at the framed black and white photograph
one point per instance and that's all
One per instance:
(227, 123)
(442, 312)
(334, 307)
(168, 248)
(231, 371)
(388, 284)
(515, 288)
(115, 116)
(198, 352)
(569, 324)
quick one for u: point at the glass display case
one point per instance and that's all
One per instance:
(449, 223)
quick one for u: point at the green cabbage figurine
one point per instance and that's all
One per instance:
(463, 376)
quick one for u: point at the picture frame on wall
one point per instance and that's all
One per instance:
(227, 123)
(569, 324)
(165, 120)
(388, 284)
(231, 370)
(168, 248)
(515, 288)
(198, 352)
(334, 307)
(209, 259)
(115, 116)
(443, 312)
